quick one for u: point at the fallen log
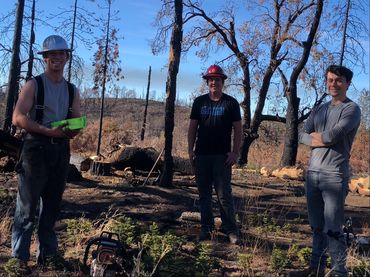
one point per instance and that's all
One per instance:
(9, 145)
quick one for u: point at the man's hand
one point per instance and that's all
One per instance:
(231, 158)
(71, 133)
(62, 132)
(316, 140)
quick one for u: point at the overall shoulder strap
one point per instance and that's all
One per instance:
(39, 107)
(71, 92)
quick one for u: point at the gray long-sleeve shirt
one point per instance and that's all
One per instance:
(338, 125)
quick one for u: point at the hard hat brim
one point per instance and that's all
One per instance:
(46, 51)
(210, 75)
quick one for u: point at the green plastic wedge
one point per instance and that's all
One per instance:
(72, 123)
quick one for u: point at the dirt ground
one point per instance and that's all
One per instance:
(282, 201)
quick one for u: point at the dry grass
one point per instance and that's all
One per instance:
(123, 121)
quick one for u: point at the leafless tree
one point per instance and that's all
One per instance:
(142, 133)
(32, 42)
(173, 68)
(258, 47)
(76, 25)
(292, 120)
(15, 68)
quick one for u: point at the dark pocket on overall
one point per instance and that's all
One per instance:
(32, 154)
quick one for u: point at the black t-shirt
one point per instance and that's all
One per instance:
(215, 119)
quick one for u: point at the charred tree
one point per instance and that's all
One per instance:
(72, 41)
(173, 68)
(343, 45)
(104, 79)
(15, 68)
(291, 130)
(142, 134)
(32, 42)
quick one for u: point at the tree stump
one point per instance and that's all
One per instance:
(100, 168)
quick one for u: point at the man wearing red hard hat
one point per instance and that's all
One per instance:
(213, 118)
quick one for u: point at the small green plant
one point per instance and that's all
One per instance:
(76, 228)
(279, 259)
(158, 247)
(12, 268)
(5, 197)
(204, 261)
(252, 219)
(304, 255)
(157, 244)
(293, 251)
(362, 268)
(125, 228)
(245, 262)
(287, 228)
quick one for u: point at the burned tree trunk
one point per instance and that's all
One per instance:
(15, 68)
(72, 42)
(291, 134)
(142, 134)
(173, 68)
(32, 42)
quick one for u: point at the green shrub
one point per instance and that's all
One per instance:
(125, 228)
(12, 268)
(279, 259)
(5, 197)
(362, 268)
(159, 244)
(158, 247)
(304, 255)
(245, 261)
(293, 251)
(204, 260)
(77, 227)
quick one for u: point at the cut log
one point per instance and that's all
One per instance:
(195, 217)
(266, 172)
(295, 173)
(100, 168)
(360, 185)
(352, 186)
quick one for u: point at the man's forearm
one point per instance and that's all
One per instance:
(22, 121)
(316, 140)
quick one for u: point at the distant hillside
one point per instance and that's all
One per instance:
(123, 120)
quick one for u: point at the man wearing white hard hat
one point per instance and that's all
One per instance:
(43, 165)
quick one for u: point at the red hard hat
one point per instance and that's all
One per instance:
(215, 71)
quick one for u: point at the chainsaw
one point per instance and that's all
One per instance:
(107, 258)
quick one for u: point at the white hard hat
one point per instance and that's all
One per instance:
(54, 43)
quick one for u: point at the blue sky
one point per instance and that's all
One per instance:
(135, 25)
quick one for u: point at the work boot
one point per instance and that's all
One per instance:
(54, 262)
(205, 234)
(233, 238)
(308, 272)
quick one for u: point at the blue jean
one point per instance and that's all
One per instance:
(210, 171)
(326, 194)
(42, 173)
